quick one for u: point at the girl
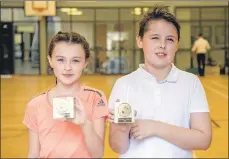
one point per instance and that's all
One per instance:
(68, 55)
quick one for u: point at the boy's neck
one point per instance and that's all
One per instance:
(159, 73)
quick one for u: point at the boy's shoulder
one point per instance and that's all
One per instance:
(187, 76)
(128, 78)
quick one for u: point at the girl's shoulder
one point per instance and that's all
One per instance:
(92, 90)
(40, 97)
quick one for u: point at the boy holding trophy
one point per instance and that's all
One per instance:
(172, 111)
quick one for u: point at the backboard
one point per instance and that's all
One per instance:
(40, 8)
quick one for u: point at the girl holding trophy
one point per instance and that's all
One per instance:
(65, 120)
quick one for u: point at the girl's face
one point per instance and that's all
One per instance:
(68, 62)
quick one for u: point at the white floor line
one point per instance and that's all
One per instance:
(220, 85)
(216, 91)
(6, 76)
(194, 155)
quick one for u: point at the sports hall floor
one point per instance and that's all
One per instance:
(18, 90)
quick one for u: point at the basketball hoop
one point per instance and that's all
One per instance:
(39, 17)
(40, 8)
(38, 11)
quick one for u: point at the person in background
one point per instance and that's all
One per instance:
(200, 48)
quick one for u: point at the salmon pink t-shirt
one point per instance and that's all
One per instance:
(61, 139)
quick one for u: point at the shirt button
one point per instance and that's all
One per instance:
(157, 91)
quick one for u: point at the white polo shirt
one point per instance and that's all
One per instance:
(170, 101)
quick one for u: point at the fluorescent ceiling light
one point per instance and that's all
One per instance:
(152, 1)
(71, 11)
(82, 1)
(138, 11)
(68, 9)
(75, 13)
(145, 9)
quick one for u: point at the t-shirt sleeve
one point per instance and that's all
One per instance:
(30, 117)
(198, 99)
(100, 108)
(119, 92)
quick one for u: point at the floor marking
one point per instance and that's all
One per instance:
(220, 85)
(216, 91)
(215, 123)
(194, 155)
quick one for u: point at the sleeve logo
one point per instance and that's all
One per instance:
(101, 103)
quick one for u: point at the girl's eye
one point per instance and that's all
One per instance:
(61, 60)
(155, 38)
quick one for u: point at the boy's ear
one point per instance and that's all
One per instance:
(178, 46)
(86, 62)
(139, 41)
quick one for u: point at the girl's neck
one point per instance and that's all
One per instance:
(69, 90)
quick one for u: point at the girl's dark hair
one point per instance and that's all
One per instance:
(158, 13)
(71, 38)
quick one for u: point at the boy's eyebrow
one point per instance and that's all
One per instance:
(72, 57)
(154, 34)
(167, 36)
(172, 36)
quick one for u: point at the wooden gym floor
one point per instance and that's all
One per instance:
(18, 90)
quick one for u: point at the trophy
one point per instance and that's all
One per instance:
(123, 113)
(63, 107)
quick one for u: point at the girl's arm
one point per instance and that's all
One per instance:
(34, 145)
(94, 133)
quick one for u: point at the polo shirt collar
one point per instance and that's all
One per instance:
(172, 76)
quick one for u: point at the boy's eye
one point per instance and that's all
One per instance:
(155, 38)
(170, 39)
(76, 61)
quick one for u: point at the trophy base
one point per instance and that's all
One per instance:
(124, 113)
(124, 120)
(63, 107)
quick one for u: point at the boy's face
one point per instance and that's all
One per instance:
(68, 62)
(159, 43)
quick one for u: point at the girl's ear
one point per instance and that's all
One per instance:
(50, 61)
